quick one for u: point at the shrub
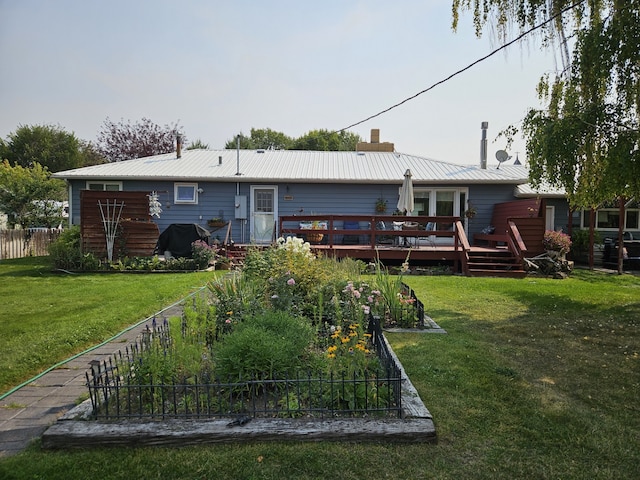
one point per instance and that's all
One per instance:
(66, 252)
(203, 254)
(271, 342)
(557, 241)
(580, 241)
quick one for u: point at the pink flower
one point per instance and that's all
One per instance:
(291, 281)
(227, 320)
(366, 309)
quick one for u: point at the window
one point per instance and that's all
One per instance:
(104, 186)
(442, 201)
(185, 193)
(609, 219)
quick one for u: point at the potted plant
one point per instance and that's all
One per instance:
(216, 222)
(381, 205)
(557, 242)
(470, 212)
(316, 237)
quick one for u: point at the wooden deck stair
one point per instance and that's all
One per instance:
(494, 263)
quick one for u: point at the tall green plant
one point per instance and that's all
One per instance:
(271, 342)
(66, 252)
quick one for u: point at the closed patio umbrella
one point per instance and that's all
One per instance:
(405, 202)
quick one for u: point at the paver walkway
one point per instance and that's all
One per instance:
(27, 412)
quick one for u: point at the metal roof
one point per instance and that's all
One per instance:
(294, 166)
(527, 191)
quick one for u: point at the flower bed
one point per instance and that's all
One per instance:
(124, 387)
(293, 335)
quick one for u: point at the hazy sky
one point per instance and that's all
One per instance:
(222, 67)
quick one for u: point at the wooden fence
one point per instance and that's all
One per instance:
(137, 235)
(26, 243)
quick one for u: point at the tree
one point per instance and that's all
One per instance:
(264, 138)
(50, 146)
(326, 140)
(90, 154)
(29, 196)
(198, 144)
(125, 141)
(313, 140)
(586, 139)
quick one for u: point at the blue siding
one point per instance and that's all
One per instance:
(218, 200)
(483, 197)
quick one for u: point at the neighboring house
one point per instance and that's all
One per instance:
(252, 188)
(607, 217)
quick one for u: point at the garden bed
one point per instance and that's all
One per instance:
(130, 385)
(292, 338)
(77, 430)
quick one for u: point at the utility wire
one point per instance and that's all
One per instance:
(508, 44)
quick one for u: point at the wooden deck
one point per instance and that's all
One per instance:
(423, 240)
(389, 238)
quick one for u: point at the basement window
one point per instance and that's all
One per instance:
(185, 193)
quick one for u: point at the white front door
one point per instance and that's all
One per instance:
(264, 211)
(549, 219)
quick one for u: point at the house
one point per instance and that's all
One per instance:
(253, 188)
(252, 191)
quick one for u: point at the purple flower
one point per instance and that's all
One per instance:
(291, 281)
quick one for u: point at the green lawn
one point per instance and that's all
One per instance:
(46, 317)
(536, 378)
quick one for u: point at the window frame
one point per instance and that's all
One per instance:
(104, 183)
(584, 219)
(192, 200)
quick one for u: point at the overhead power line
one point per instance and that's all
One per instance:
(508, 44)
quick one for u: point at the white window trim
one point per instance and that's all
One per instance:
(456, 198)
(103, 183)
(193, 200)
(609, 229)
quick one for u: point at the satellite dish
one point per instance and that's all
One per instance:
(502, 156)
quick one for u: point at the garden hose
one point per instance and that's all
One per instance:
(57, 365)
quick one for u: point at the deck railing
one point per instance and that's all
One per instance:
(376, 229)
(514, 241)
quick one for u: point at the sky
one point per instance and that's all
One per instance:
(219, 68)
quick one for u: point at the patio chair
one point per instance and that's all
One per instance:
(351, 239)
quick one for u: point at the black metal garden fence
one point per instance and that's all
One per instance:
(117, 392)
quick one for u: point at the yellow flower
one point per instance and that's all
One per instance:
(331, 355)
(336, 334)
(332, 349)
(345, 339)
(230, 312)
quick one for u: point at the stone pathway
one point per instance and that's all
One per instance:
(28, 411)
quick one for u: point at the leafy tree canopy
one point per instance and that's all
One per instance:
(586, 138)
(125, 141)
(262, 138)
(326, 140)
(50, 146)
(198, 144)
(29, 196)
(313, 140)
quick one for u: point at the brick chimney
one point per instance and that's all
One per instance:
(375, 145)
